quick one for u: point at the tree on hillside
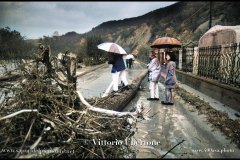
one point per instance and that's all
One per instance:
(12, 44)
(92, 51)
(55, 33)
(143, 53)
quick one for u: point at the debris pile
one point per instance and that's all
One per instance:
(218, 119)
(42, 116)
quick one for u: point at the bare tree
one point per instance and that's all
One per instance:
(55, 34)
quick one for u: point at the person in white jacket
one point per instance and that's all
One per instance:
(154, 68)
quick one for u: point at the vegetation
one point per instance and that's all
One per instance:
(143, 53)
(42, 116)
(95, 55)
(85, 48)
(69, 41)
(186, 21)
(13, 45)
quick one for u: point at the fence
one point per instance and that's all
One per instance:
(187, 59)
(221, 63)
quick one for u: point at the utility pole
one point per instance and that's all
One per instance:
(210, 15)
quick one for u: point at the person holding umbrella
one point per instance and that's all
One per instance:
(118, 71)
(129, 60)
(154, 69)
(168, 69)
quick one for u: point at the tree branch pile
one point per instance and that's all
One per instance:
(43, 116)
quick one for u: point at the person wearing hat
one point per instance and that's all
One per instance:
(154, 68)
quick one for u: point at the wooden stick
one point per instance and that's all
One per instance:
(172, 148)
(105, 111)
(36, 143)
(18, 112)
(29, 132)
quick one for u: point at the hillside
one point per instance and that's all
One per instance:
(185, 20)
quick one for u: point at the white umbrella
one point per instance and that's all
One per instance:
(111, 47)
(129, 56)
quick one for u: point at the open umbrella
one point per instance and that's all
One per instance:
(111, 47)
(166, 42)
(129, 56)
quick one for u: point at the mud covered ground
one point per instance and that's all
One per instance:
(179, 131)
(169, 125)
(218, 119)
(165, 126)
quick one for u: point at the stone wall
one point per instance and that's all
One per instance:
(224, 93)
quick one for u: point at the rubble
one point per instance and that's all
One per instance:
(43, 116)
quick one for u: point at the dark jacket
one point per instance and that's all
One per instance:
(117, 61)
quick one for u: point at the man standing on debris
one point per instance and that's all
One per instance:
(170, 78)
(118, 71)
(154, 68)
(45, 57)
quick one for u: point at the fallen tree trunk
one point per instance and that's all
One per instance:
(121, 98)
(106, 111)
(134, 88)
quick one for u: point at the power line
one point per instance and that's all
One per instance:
(193, 14)
(210, 15)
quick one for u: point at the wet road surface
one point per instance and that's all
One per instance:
(167, 126)
(93, 84)
(170, 125)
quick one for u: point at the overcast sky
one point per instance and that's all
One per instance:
(36, 19)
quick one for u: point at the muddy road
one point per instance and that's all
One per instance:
(177, 128)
